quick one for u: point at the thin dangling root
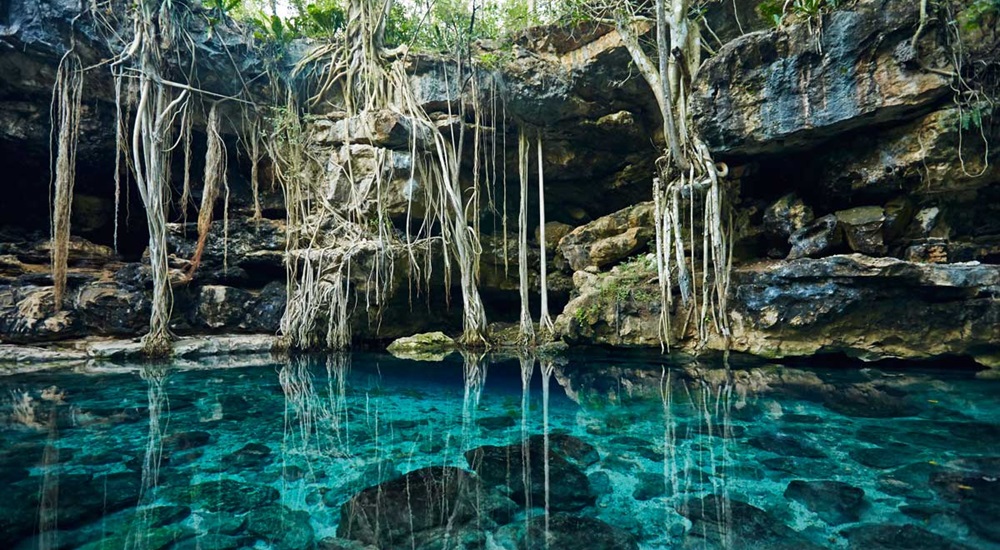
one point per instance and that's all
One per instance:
(545, 321)
(527, 328)
(215, 173)
(66, 105)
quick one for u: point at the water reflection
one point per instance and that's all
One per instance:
(48, 506)
(345, 450)
(139, 535)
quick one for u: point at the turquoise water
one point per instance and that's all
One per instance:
(365, 450)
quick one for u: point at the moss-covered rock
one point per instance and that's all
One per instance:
(430, 346)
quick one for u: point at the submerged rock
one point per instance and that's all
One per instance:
(280, 527)
(868, 401)
(649, 486)
(882, 458)
(786, 445)
(496, 423)
(720, 522)
(186, 440)
(209, 541)
(898, 537)
(520, 469)
(252, 456)
(565, 532)
(398, 512)
(834, 502)
(224, 495)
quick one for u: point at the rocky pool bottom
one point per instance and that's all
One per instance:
(364, 450)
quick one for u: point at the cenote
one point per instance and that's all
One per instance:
(588, 451)
(499, 274)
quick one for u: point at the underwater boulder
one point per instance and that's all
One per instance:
(786, 445)
(280, 527)
(898, 537)
(718, 521)
(393, 513)
(520, 468)
(565, 532)
(834, 502)
(223, 495)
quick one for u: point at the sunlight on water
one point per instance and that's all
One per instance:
(355, 451)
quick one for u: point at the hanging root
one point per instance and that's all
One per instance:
(545, 321)
(527, 328)
(332, 222)
(156, 116)
(688, 179)
(215, 173)
(65, 113)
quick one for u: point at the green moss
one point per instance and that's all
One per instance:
(627, 284)
(979, 12)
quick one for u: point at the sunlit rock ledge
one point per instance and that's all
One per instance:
(82, 351)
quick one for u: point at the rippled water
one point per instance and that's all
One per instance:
(363, 450)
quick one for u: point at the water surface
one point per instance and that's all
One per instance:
(345, 451)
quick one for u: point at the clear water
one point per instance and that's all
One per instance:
(270, 455)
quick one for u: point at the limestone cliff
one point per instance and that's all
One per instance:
(866, 213)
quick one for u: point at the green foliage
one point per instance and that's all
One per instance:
(774, 10)
(400, 26)
(771, 11)
(628, 283)
(974, 114)
(318, 19)
(272, 29)
(451, 25)
(323, 18)
(978, 13)
(219, 10)
(495, 60)
(224, 7)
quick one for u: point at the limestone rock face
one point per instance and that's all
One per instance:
(866, 307)
(554, 232)
(221, 306)
(854, 132)
(816, 239)
(251, 245)
(863, 228)
(853, 304)
(606, 241)
(928, 156)
(786, 216)
(788, 89)
(618, 308)
(28, 313)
